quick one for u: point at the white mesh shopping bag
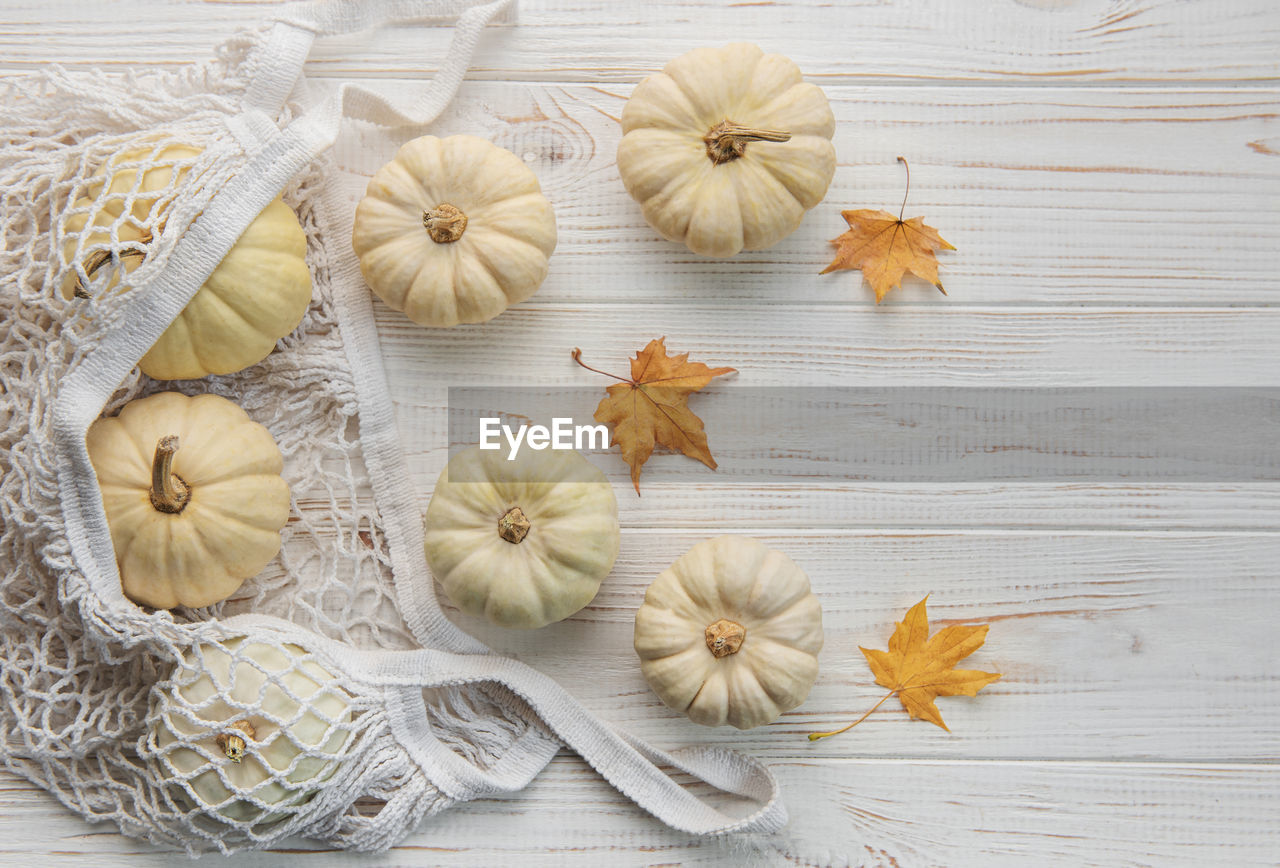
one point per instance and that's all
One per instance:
(371, 709)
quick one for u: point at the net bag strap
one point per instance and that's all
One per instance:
(633, 767)
(297, 26)
(274, 156)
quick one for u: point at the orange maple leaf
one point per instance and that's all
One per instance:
(653, 406)
(887, 247)
(918, 669)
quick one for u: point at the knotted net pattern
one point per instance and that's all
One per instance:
(124, 716)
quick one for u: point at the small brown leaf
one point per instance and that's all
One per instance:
(887, 247)
(652, 407)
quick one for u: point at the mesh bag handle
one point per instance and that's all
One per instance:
(274, 156)
(633, 767)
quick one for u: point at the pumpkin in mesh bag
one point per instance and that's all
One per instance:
(243, 731)
(193, 495)
(257, 294)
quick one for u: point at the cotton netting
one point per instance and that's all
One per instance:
(116, 712)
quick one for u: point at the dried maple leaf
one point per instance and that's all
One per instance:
(653, 406)
(887, 247)
(918, 669)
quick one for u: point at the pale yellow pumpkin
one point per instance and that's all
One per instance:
(193, 495)
(257, 294)
(726, 149)
(453, 231)
(225, 700)
(523, 542)
(730, 633)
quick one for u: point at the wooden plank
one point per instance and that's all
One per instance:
(1082, 196)
(1027, 506)
(1113, 645)
(769, 479)
(868, 812)
(948, 435)
(588, 40)
(860, 506)
(827, 345)
(839, 346)
(1052, 195)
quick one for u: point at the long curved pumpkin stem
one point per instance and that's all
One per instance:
(169, 493)
(728, 141)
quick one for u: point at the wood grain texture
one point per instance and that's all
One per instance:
(1110, 172)
(829, 345)
(871, 813)
(827, 505)
(1114, 646)
(1052, 195)
(947, 439)
(1023, 41)
(835, 346)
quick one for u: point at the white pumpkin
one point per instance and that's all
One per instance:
(730, 633)
(222, 699)
(727, 148)
(523, 542)
(257, 294)
(453, 231)
(193, 495)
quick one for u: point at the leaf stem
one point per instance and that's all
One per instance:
(814, 736)
(903, 209)
(577, 357)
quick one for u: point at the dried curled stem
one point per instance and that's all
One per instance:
(169, 493)
(445, 223)
(514, 525)
(725, 637)
(233, 743)
(728, 141)
(95, 262)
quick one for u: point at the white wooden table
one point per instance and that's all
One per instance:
(1110, 172)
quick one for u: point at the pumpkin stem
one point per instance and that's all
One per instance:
(513, 526)
(725, 637)
(233, 745)
(727, 140)
(96, 261)
(169, 493)
(445, 223)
